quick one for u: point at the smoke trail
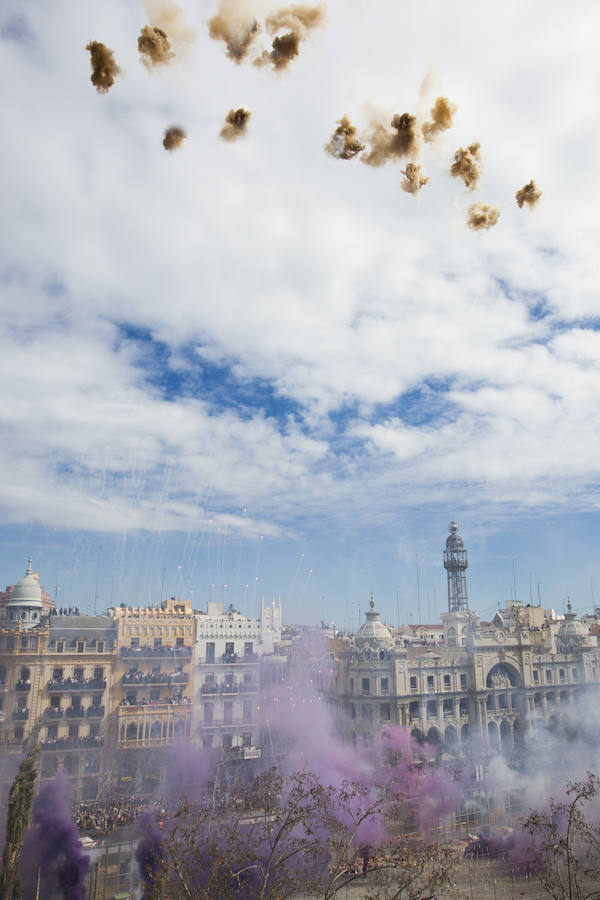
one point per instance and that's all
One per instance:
(235, 124)
(482, 216)
(155, 47)
(414, 179)
(104, 67)
(344, 144)
(54, 842)
(174, 138)
(442, 115)
(387, 145)
(466, 165)
(235, 27)
(296, 21)
(529, 194)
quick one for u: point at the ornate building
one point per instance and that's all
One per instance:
(482, 680)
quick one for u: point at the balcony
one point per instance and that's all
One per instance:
(71, 684)
(244, 752)
(21, 715)
(157, 652)
(229, 659)
(229, 688)
(23, 686)
(52, 713)
(248, 687)
(147, 679)
(68, 743)
(75, 712)
(95, 712)
(209, 688)
(220, 723)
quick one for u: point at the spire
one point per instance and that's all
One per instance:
(29, 569)
(456, 564)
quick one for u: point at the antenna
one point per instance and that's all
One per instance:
(539, 594)
(514, 568)
(418, 587)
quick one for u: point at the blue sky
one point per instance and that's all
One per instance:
(249, 360)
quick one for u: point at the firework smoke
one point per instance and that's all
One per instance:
(296, 21)
(387, 145)
(174, 138)
(54, 843)
(529, 194)
(482, 216)
(235, 27)
(104, 67)
(442, 114)
(344, 143)
(167, 18)
(155, 47)
(235, 124)
(466, 165)
(414, 179)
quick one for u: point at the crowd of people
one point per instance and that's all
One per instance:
(157, 701)
(135, 677)
(97, 818)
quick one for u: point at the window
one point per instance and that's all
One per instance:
(132, 698)
(74, 731)
(366, 713)
(19, 733)
(98, 673)
(208, 713)
(463, 681)
(94, 729)
(248, 648)
(247, 711)
(100, 647)
(247, 739)
(228, 713)
(446, 681)
(366, 686)
(385, 713)
(549, 676)
(60, 646)
(352, 684)
(413, 682)
(2, 675)
(78, 673)
(430, 682)
(157, 643)
(385, 685)
(413, 709)
(80, 646)
(464, 707)
(57, 674)
(229, 648)
(179, 642)
(575, 674)
(52, 732)
(352, 711)
(154, 695)
(210, 652)
(135, 642)
(227, 741)
(96, 701)
(536, 675)
(24, 643)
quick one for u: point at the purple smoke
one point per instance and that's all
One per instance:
(52, 842)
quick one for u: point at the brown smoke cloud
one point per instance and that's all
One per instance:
(442, 116)
(155, 46)
(387, 145)
(296, 21)
(482, 216)
(237, 32)
(235, 124)
(344, 144)
(466, 165)
(104, 67)
(174, 138)
(529, 194)
(168, 17)
(414, 179)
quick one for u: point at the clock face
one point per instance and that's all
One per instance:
(500, 636)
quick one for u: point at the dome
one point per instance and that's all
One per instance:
(454, 540)
(373, 631)
(572, 634)
(27, 591)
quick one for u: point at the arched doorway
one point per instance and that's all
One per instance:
(505, 735)
(493, 735)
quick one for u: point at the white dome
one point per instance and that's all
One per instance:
(27, 591)
(373, 631)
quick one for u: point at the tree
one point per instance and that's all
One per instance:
(296, 835)
(564, 851)
(20, 801)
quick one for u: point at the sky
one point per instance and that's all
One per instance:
(249, 368)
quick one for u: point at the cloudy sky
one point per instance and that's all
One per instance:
(251, 364)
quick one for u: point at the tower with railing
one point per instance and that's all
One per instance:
(456, 564)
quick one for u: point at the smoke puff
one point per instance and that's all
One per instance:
(387, 145)
(482, 216)
(104, 67)
(285, 49)
(168, 17)
(529, 194)
(466, 165)
(414, 179)
(155, 47)
(174, 138)
(238, 32)
(54, 842)
(296, 21)
(442, 115)
(344, 144)
(235, 124)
